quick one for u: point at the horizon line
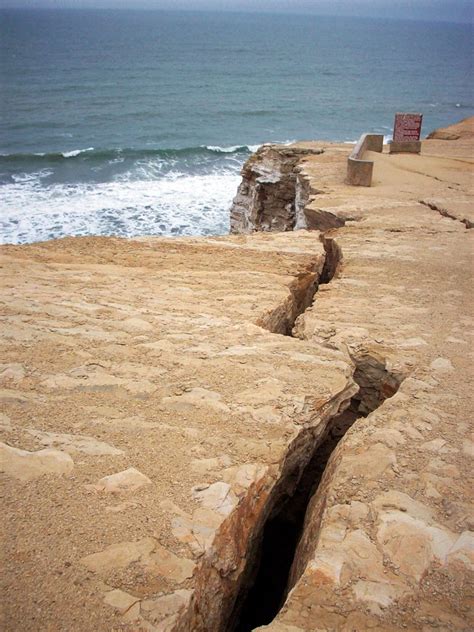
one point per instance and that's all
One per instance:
(242, 12)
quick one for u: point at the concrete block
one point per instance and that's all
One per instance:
(405, 147)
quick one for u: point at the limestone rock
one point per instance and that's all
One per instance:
(13, 372)
(266, 197)
(75, 443)
(10, 395)
(5, 422)
(463, 129)
(120, 600)
(199, 397)
(218, 497)
(135, 325)
(205, 465)
(463, 550)
(162, 607)
(413, 544)
(442, 364)
(147, 552)
(119, 555)
(128, 480)
(26, 465)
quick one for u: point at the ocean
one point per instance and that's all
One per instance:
(138, 122)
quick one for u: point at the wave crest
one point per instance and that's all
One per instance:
(90, 153)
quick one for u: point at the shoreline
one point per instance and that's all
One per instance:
(166, 204)
(164, 397)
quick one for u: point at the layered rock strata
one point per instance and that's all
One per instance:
(276, 193)
(272, 194)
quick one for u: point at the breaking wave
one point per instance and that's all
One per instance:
(173, 205)
(92, 154)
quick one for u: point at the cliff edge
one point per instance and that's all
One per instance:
(259, 431)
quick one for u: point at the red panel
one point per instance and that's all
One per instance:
(407, 127)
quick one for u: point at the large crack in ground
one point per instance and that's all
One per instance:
(263, 551)
(303, 289)
(246, 580)
(271, 574)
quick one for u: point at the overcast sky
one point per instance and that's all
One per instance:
(451, 10)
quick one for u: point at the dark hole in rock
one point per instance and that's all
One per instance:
(263, 594)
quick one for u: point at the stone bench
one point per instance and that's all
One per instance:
(359, 171)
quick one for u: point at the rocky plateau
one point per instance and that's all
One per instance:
(269, 430)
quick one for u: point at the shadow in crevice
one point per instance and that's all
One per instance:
(268, 579)
(303, 289)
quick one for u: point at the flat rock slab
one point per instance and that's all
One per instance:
(141, 367)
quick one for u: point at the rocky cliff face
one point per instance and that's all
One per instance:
(271, 194)
(463, 129)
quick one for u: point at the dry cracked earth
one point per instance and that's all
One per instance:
(267, 431)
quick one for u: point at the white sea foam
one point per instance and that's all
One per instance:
(172, 205)
(232, 148)
(31, 177)
(223, 150)
(76, 152)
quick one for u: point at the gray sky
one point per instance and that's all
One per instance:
(451, 10)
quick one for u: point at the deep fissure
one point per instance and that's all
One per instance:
(272, 563)
(303, 290)
(268, 577)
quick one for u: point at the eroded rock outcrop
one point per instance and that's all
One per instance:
(462, 129)
(277, 193)
(272, 193)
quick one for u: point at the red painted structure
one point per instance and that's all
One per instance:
(407, 127)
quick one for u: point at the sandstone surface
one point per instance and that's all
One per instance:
(382, 556)
(180, 387)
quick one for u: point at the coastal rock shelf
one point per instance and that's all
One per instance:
(156, 424)
(139, 367)
(382, 539)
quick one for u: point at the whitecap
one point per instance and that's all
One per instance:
(76, 152)
(34, 177)
(232, 148)
(224, 150)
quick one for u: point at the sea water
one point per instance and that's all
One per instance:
(138, 122)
